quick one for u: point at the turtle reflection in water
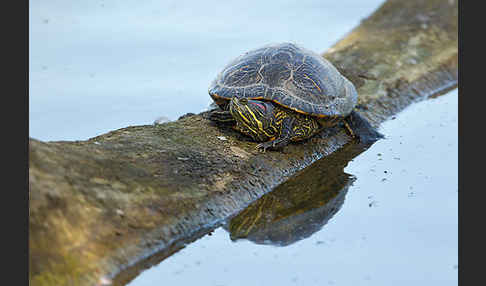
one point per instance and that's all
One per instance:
(299, 207)
(284, 93)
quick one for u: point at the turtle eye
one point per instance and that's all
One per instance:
(243, 100)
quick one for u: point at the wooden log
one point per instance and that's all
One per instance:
(101, 205)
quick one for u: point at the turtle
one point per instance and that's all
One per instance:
(282, 93)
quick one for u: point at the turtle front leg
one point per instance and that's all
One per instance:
(282, 140)
(221, 116)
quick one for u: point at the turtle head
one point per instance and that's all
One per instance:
(254, 117)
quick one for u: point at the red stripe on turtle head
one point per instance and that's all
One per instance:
(259, 105)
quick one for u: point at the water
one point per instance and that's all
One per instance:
(96, 66)
(397, 226)
(100, 65)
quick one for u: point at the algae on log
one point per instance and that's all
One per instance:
(98, 206)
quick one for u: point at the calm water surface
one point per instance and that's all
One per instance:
(100, 65)
(397, 225)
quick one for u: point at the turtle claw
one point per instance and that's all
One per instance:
(262, 147)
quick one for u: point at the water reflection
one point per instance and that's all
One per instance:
(411, 226)
(299, 207)
(294, 210)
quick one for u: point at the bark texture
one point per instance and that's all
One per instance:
(99, 206)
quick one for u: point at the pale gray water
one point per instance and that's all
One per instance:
(100, 65)
(96, 66)
(408, 236)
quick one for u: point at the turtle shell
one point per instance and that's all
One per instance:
(290, 76)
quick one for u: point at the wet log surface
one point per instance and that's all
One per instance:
(99, 206)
